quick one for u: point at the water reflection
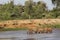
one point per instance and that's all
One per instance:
(22, 35)
(30, 39)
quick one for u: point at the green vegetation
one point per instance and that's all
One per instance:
(57, 26)
(31, 10)
(52, 25)
(12, 29)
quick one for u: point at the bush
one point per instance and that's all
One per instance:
(57, 26)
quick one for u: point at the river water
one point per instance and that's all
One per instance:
(22, 35)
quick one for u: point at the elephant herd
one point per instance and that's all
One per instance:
(39, 30)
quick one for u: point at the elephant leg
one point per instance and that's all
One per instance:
(30, 32)
(50, 31)
(45, 31)
(39, 31)
(36, 32)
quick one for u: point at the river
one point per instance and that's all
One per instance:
(22, 35)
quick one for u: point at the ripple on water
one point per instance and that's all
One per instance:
(22, 35)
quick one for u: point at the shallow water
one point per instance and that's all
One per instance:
(22, 35)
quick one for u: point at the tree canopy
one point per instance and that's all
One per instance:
(32, 10)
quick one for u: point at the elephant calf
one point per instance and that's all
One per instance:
(40, 30)
(47, 30)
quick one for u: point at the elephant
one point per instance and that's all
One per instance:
(40, 30)
(47, 30)
(32, 30)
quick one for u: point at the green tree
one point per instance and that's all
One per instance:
(28, 8)
(40, 9)
(56, 2)
(56, 11)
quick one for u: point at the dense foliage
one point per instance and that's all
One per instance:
(31, 10)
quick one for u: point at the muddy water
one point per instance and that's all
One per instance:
(22, 35)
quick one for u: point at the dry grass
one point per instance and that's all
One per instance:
(27, 23)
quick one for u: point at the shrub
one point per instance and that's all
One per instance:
(57, 25)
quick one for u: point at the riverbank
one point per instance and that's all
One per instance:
(10, 25)
(12, 29)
